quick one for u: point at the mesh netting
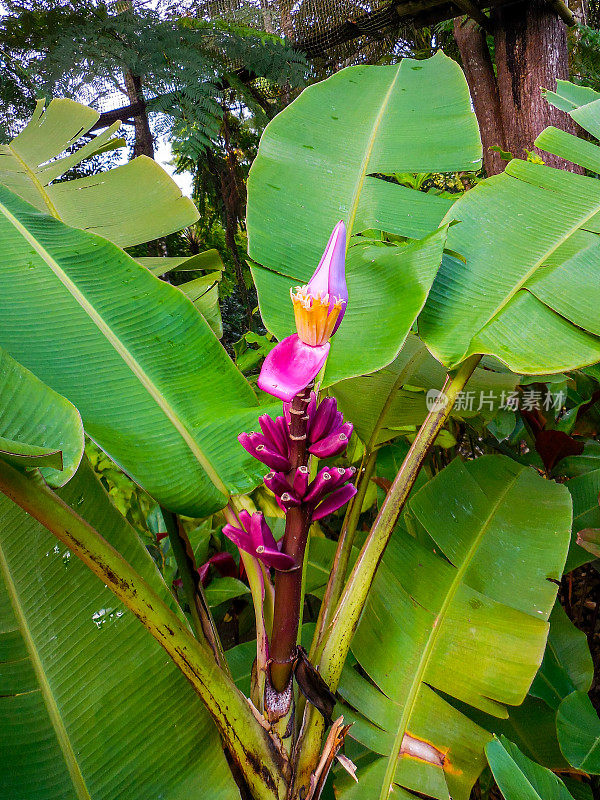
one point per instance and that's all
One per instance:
(331, 33)
(335, 31)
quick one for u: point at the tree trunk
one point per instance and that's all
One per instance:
(531, 54)
(225, 180)
(144, 143)
(479, 71)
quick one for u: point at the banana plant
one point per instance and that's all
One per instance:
(121, 701)
(334, 176)
(385, 299)
(476, 515)
(102, 315)
(130, 204)
(39, 429)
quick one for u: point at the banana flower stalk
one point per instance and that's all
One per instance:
(285, 445)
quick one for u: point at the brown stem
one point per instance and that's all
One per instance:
(232, 191)
(531, 54)
(288, 585)
(202, 619)
(144, 142)
(479, 72)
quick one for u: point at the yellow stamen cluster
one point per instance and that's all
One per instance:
(314, 321)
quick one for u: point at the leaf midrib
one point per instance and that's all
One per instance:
(595, 744)
(120, 348)
(433, 637)
(62, 736)
(356, 194)
(521, 284)
(367, 157)
(36, 182)
(537, 795)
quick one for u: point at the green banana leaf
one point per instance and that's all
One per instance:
(29, 456)
(38, 427)
(130, 204)
(567, 664)
(371, 774)
(578, 789)
(209, 259)
(578, 728)
(469, 627)
(527, 289)
(321, 552)
(580, 102)
(363, 400)
(519, 778)
(319, 162)
(569, 96)
(204, 294)
(154, 386)
(203, 291)
(241, 659)
(91, 707)
(532, 726)
(222, 590)
(582, 475)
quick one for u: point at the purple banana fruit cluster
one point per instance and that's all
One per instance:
(329, 491)
(327, 436)
(254, 537)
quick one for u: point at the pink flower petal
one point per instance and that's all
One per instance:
(291, 366)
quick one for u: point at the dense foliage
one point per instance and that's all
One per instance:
(429, 607)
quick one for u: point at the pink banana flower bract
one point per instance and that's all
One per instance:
(318, 309)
